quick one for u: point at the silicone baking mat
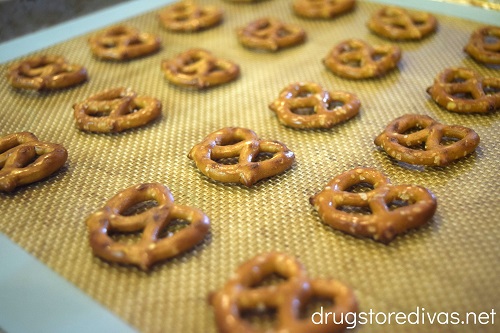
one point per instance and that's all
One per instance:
(451, 264)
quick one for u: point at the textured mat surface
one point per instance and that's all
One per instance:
(451, 264)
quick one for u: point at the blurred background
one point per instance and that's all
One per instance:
(20, 17)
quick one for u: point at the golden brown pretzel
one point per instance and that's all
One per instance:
(151, 248)
(463, 90)
(45, 72)
(270, 34)
(232, 142)
(122, 42)
(329, 108)
(322, 8)
(198, 68)
(400, 24)
(288, 298)
(115, 110)
(25, 160)
(356, 59)
(404, 146)
(186, 16)
(383, 224)
(484, 45)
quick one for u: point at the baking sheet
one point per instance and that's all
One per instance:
(449, 265)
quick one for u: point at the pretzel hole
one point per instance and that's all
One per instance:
(397, 203)
(263, 156)
(173, 227)
(304, 93)
(314, 305)
(332, 105)
(489, 90)
(463, 95)
(353, 63)
(377, 56)
(359, 210)
(227, 160)
(490, 39)
(283, 33)
(272, 279)
(362, 187)
(139, 208)
(448, 140)
(261, 318)
(306, 111)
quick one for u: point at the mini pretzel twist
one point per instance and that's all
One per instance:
(270, 34)
(484, 45)
(198, 68)
(404, 147)
(151, 248)
(25, 160)
(400, 24)
(231, 142)
(463, 90)
(45, 72)
(383, 224)
(123, 42)
(288, 298)
(325, 9)
(330, 108)
(115, 110)
(356, 59)
(186, 16)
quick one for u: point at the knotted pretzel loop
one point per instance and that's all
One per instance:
(288, 298)
(243, 144)
(151, 248)
(25, 160)
(383, 224)
(186, 16)
(296, 101)
(404, 146)
(400, 24)
(325, 9)
(484, 45)
(463, 90)
(356, 59)
(198, 68)
(115, 110)
(270, 34)
(45, 72)
(122, 42)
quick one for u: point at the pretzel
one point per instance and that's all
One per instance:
(45, 72)
(463, 90)
(186, 16)
(151, 248)
(401, 24)
(270, 34)
(288, 298)
(232, 142)
(324, 9)
(122, 42)
(115, 110)
(25, 160)
(307, 95)
(484, 45)
(404, 147)
(356, 59)
(383, 224)
(198, 68)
